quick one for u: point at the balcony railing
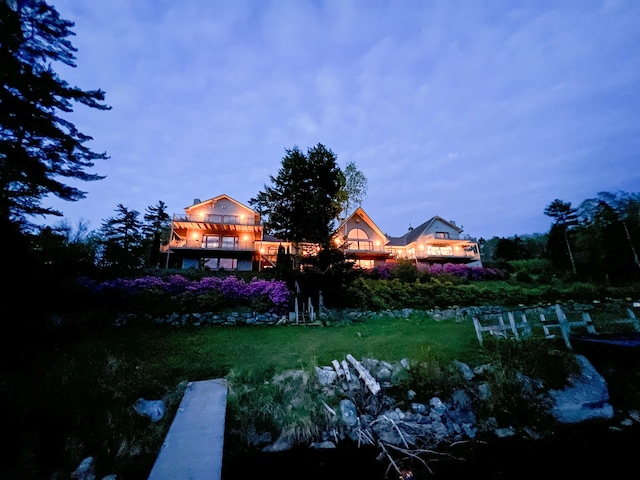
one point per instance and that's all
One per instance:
(421, 255)
(217, 219)
(439, 237)
(196, 243)
(374, 249)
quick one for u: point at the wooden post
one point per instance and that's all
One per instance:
(476, 324)
(564, 326)
(512, 322)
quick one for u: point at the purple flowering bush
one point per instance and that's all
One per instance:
(178, 293)
(464, 271)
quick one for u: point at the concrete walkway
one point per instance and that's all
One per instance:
(192, 449)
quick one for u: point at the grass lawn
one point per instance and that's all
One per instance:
(73, 398)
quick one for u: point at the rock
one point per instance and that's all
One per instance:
(154, 409)
(437, 406)
(280, 445)
(323, 445)
(465, 369)
(348, 412)
(326, 375)
(85, 470)
(586, 397)
(504, 432)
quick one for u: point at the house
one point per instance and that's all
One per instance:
(220, 233)
(435, 241)
(224, 234)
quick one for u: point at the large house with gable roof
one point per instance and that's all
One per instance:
(224, 234)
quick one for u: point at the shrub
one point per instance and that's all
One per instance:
(176, 292)
(523, 277)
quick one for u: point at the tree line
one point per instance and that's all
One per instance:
(597, 241)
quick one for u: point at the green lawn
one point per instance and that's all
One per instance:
(78, 393)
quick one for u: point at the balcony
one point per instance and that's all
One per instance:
(365, 249)
(216, 222)
(455, 256)
(197, 244)
(439, 239)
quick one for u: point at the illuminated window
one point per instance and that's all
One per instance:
(442, 235)
(440, 251)
(365, 264)
(230, 243)
(210, 241)
(359, 240)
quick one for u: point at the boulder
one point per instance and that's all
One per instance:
(585, 398)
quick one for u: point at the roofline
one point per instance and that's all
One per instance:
(215, 199)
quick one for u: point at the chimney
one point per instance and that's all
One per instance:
(196, 201)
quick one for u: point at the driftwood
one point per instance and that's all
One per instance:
(345, 369)
(370, 382)
(338, 368)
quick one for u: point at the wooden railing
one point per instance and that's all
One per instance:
(197, 243)
(217, 219)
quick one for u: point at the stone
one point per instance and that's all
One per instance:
(85, 470)
(154, 409)
(280, 445)
(586, 397)
(349, 413)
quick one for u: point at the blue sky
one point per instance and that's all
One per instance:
(481, 112)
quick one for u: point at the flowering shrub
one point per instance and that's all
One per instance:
(464, 271)
(268, 295)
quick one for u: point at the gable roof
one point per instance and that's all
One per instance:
(362, 214)
(216, 199)
(415, 233)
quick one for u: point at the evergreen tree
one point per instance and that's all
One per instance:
(122, 241)
(39, 147)
(304, 199)
(564, 217)
(156, 230)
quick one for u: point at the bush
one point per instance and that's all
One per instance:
(523, 277)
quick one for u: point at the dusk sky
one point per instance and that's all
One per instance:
(481, 112)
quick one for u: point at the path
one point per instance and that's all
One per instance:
(192, 449)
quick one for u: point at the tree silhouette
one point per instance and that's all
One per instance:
(564, 217)
(39, 146)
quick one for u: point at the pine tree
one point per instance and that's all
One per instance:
(564, 217)
(156, 230)
(304, 200)
(122, 240)
(39, 147)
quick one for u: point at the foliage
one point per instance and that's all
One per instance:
(355, 189)
(304, 199)
(287, 403)
(177, 293)
(156, 231)
(122, 241)
(432, 376)
(514, 372)
(39, 147)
